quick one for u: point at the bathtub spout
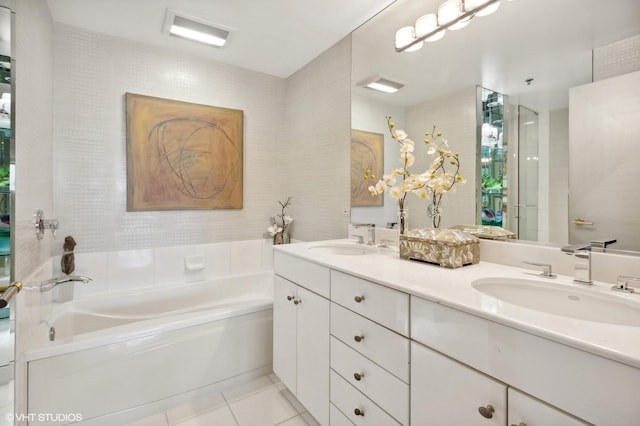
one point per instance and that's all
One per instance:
(53, 282)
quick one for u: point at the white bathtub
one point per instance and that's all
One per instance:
(124, 355)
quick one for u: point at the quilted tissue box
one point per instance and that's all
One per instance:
(451, 248)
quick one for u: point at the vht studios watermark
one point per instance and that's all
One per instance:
(44, 417)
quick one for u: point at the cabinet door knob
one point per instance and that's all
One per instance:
(487, 412)
(358, 299)
(358, 376)
(358, 338)
(358, 412)
(289, 297)
(296, 302)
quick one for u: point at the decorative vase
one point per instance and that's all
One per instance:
(402, 219)
(434, 213)
(281, 238)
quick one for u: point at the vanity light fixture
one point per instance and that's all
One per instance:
(180, 25)
(381, 84)
(452, 15)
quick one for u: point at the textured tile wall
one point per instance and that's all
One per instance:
(617, 58)
(314, 160)
(33, 130)
(92, 73)
(455, 116)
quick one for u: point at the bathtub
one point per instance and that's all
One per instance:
(110, 359)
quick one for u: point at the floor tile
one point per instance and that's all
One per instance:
(218, 417)
(258, 385)
(295, 421)
(195, 408)
(268, 407)
(156, 420)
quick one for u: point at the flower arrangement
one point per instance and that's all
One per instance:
(441, 177)
(280, 223)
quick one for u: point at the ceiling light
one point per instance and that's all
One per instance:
(452, 15)
(405, 36)
(487, 10)
(427, 24)
(381, 84)
(179, 25)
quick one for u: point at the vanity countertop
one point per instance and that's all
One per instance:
(452, 287)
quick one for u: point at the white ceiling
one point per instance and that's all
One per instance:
(548, 40)
(275, 37)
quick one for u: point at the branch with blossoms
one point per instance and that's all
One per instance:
(439, 179)
(279, 225)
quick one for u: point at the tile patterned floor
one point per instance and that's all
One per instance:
(262, 402)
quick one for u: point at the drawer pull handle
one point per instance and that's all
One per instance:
(296, 302)
(358, 338)
(519, 424)
(487, 412)
(358, 299)
(358, 412)
(358, 376)
(289, 297)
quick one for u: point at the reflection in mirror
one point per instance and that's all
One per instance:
(6, 332)
(523, 51)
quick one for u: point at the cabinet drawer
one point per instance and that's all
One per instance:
(381, 345)
(307, 274)
(336, 418)
(525, 409)
(348, 399)
(382, 387)
(383, 305)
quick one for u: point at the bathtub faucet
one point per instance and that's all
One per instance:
(49, 284)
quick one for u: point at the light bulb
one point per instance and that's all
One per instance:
(405, 36)
(449, 11)
(426, 24)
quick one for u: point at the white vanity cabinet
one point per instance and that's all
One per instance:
(301, 332)
(445, 392)
(369, 351)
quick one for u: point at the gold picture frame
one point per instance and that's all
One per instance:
(183, 156)
(367, 152)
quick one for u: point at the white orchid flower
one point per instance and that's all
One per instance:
(287, 219)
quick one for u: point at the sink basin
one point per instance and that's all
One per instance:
(344, 249)
(562, 300)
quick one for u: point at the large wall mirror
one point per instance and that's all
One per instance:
(6, 158)
(529, 54)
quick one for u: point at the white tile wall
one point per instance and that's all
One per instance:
(92, 73)
(617, 58)
(33, 131)
(314, 160)
(455, 116)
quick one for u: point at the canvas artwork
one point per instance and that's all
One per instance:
(182, 156)
(367, 151)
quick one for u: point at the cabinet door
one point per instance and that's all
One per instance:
(284, 332)
(525, 410)
(313, 354)
(445, 392)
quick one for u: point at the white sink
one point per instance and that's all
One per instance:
(344, 249)
(563, 300)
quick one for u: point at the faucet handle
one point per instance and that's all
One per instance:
(546, 269)
(601, 245)
(623, 282)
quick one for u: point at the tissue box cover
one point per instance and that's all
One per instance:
(451, 248)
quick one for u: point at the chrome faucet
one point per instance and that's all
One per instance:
(582, 268)
(582, 254)
(371, 232)
(53, 282)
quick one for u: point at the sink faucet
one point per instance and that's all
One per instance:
(53, 282)
(371, 232)
(582, 268)
(582, 254)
